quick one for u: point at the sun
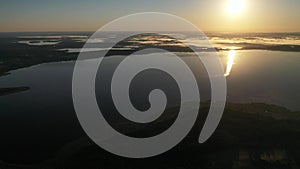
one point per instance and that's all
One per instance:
(235, 7)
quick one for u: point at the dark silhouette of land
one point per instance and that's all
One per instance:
(250, 136)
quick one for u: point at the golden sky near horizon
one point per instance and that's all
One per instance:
(207, 15)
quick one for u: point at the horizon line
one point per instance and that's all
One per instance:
(90, 31)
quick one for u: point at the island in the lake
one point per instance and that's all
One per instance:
(12, 90)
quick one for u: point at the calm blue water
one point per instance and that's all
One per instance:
(256, 76)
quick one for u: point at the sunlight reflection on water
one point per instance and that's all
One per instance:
(230, 62)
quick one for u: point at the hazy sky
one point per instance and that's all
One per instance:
(90, 15)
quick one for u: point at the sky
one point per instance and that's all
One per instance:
(90, 15)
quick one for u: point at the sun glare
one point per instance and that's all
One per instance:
(235, 7)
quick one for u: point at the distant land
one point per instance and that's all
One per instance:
(20, 50)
